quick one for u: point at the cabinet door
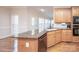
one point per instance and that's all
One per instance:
(67, 35)
(58, 36)
(75, 39)
(67, 15)
(51, 39)
(62, 15)
(58, 15)
(75, 11)
(29, 45)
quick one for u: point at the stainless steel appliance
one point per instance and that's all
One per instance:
(76, 25)
(76, 30)
(75, 19)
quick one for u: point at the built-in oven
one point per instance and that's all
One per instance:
(76, 25)
(76, 29)
(75, 19)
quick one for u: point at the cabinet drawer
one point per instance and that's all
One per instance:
(51, 33)
(67, 32)
(51, 36)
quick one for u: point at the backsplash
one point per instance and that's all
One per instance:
(60, 26)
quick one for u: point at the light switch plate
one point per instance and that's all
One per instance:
(27, 44)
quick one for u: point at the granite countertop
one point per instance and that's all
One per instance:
(51, 30)
(31, 34)
(34, 33)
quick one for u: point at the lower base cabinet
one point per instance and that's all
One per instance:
(27, 45)
(75, 38)
(53, 37)
(33, 44)
(58, 36)
(47, 40)
(67, 35)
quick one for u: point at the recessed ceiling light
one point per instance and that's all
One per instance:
(42, 10)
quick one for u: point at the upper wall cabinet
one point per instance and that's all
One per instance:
(62, 15)
(75, 11)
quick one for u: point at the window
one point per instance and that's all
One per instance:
(44, 23)
(47, 23)
(41, 24)
(33, 21)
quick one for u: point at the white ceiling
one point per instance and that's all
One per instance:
(48, 10)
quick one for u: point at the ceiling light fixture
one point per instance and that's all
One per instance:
(42, 10)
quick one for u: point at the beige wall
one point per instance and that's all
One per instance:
(4, 22)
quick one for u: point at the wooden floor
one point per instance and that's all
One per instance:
(64, 47)
(6, 45)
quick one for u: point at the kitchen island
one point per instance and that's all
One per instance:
(32, 41)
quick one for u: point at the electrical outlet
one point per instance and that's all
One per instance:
(27, 44)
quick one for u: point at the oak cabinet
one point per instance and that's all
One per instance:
(67, 35)
(62, 15)
(68, 15)
(75, 11)
(75, 39)
(51, 38)
(58, 36)
(58, 15)
(33, 44)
